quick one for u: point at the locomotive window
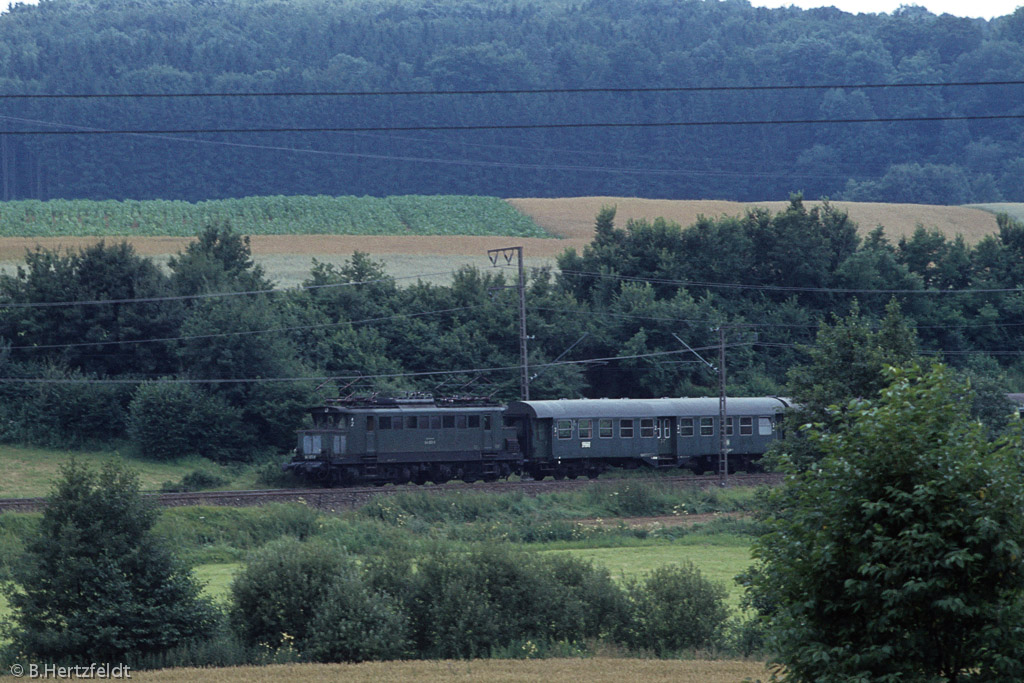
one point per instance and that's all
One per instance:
(707, 426)
(586, 429)
(449, 421)
(396, 422)
(487, 422)
(473, 422)
(384, 422)
(565, 429)
(686, 426)
(746, 426)
(646, 428)
(626, 429)
(728, 426)
(460, 421)
(422, 422)
(604, 429)
(410, 422)
(435, 421)
(369, 423)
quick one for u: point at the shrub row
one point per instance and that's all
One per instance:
(326, 606)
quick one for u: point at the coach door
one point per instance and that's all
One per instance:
(666, 438)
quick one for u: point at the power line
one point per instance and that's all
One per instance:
(516, 126)
(511, 91)
(786, 288)
(219, 335)
(208, 295)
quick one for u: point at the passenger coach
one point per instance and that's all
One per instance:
(574, 437)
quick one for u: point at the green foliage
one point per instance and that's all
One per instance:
(167, 421)
(279, 593)
(94, 583)
(897, 557)
(675, 608)
(355, 623)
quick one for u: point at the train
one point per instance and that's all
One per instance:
(419, 439)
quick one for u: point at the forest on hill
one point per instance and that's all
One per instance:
(63, 147)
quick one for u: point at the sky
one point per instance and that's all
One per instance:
(986, 9)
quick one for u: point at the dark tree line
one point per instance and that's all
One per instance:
(101, 344)
(186, 46)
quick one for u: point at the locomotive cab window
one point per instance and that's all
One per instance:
(686, 426)
(586, 429)
(746, 426)
(646, 428)
(396, 422)
(369, 423)
(473, 422)
(435, 421)
(626, 429)
(487, 423)
(410, 422)
(449, 421)
(707, 426)
(460, 421)
(564, 428)
(604, 429)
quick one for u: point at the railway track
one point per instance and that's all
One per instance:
(347, 498)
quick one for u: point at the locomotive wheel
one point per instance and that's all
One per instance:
(537, 475)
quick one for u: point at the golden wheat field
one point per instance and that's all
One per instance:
(573, 217)
(596, 670)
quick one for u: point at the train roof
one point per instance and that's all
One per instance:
(646, 407)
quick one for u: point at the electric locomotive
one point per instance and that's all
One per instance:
(372, 440)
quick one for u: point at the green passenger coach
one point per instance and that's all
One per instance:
(573, 437)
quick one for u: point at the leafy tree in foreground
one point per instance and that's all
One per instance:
(899, 556)
(95, 584)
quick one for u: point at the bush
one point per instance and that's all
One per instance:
(675, 608)
(169, 420)
(355, 623)
(276, 597)
(196, 480)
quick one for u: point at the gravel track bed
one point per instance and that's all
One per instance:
(347, 498)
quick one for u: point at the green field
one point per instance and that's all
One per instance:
(30, 472)
(275, 215)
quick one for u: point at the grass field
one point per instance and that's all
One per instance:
(595, 670)
(30, 472)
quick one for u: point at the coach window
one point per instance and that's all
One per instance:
(586, 429)
(728, 426)
(686, 426)
(764, 426)
(565, 429)
(707, 426)
(369, 423)
(604, 429)
(626, 429)
(449, 421)
(746, 426)
(646, 428)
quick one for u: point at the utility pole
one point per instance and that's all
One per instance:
(723, 441)
(507, 253)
